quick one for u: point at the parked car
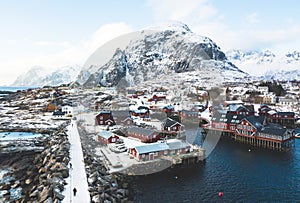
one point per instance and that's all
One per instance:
(118, 148)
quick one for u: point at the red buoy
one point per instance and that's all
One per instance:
(220, 194)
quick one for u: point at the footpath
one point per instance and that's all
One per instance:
(77, 178)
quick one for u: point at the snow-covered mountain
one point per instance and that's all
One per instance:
(282, 75)
(171, 51)
(40, 76)
(266, 64)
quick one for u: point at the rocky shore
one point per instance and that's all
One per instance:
(40, 175)
(104, 187)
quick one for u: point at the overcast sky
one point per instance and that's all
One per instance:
(55, 33)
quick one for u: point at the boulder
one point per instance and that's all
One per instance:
(58, 195)
(49, 200)
(122, 192)
(28, 181)
(5, 187)
(34, 194)
(44, 195)
(96, 199)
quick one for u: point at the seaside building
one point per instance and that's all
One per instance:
(143, 134)
(254, 130)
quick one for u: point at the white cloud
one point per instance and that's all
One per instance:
(253, 18)
(65, 53)
(205, 19)
(106, 33)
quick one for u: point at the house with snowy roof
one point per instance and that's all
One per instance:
(105, 118)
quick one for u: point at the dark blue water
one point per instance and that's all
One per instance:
(258, 175)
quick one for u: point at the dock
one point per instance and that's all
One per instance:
(257, 141)
(124, 163)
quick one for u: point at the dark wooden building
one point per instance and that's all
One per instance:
(105, 118)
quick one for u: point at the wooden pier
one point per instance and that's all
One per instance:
(280, 145)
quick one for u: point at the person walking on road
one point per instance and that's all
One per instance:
(74, 191)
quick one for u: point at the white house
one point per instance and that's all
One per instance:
(286, 101)
(68, 110)
(263, 89)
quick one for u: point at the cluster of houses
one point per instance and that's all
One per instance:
(269, 128)
(254, 93)
(153, 150)
(164, 139)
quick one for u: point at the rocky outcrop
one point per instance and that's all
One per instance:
(163, 51)
(103, 186)
(41, 175)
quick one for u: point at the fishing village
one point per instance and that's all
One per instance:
(136, 132)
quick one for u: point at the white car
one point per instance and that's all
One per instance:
(117, 148)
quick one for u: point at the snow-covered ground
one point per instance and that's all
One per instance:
(77, 178)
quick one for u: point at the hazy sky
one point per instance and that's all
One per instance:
(55, 33)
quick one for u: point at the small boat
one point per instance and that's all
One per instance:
(297, 135)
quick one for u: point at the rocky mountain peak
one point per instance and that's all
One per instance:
(170, 49)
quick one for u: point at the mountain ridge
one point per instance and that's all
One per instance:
(267, 65)
(175, 49)
(41, 76)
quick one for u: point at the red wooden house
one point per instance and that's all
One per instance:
(177, 147)
(246, 110)
(156, 150)
(142, 112)
(170, 125)
(257, 127)
(122, 118)
(249, 126)
(106, 137)
(149, 151)
(282, 118)
(189, 114)
(143, 134)
(225, 121)
(105, 118)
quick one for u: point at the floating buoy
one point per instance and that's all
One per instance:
(220, 194)
(249, 150)
(175, 177)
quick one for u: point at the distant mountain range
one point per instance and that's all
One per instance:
(266, 65)
(171, 51)
(40, 76)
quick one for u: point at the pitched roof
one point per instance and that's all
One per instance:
(58, 113)
(190, 112)
(143, 131)
(169, 122)
(153, 147)
(286, 114)
(105, 112)
(105, 134)
(223, 117)
(177, 144)
(273, 129)
(256, 121)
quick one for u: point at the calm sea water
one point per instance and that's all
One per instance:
(6, 136)
(258, 175)
(13, 89)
